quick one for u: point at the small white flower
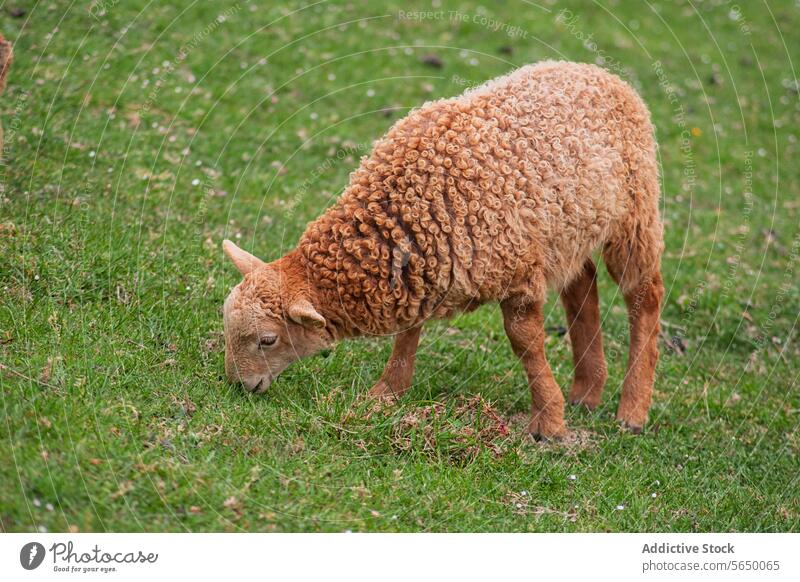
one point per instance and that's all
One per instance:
(654, 495)
(370, 92)
(572, 477)
(195, 182)
(37, 502)
(92, 154)
(620, 507)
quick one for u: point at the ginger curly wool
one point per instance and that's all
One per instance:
(494, 195)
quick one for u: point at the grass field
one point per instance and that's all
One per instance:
(139, 135)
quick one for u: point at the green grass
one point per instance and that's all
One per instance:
(117, 195)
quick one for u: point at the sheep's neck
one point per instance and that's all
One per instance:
(337, 282)
(301, 279)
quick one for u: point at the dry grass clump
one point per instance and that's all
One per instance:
(457, 435)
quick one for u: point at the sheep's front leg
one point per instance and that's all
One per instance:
(399, 370)
(583, 317)
(524, 324)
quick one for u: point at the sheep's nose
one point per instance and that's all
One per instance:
(256, 384)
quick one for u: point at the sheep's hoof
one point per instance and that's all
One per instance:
(588, 403)
(539, 438)
(631, 419)
(630, 427)
(384, 391)
(547, 432)
(380, 389)
(580, 395)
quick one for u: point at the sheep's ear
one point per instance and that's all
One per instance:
(243, 260)
(302, 312)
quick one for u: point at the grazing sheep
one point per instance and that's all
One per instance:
(495, 195)
(6, 56)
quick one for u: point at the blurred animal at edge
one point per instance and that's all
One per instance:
(6, 56)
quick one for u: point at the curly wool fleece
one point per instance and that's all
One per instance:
(496, 193)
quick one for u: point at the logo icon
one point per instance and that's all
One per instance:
(31, 555)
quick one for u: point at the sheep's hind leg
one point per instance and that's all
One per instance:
(644, 307)
(583, 317)
(633, 258)
(399, 370)
(524, 325)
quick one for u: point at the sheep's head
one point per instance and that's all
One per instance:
(269, 321)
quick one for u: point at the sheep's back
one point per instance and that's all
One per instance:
(502, 190)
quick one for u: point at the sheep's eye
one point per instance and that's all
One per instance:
(267, 340)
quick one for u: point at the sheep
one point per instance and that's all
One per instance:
(495, 195)
(6, 56)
